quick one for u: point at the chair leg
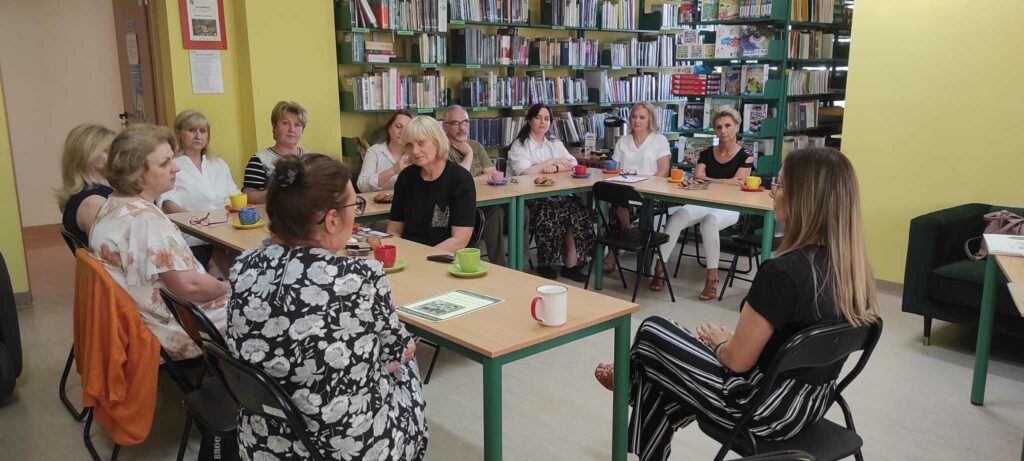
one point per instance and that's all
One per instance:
(88, 440)
(927, 331)
(661, 258)
(640, 257)
(682, 246)
(618, 267)
(184, 436)
(593, 266)
(730, 276)
(433, 361)
(63, 391)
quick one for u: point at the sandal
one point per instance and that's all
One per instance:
(658, 282)
(710, 290)
(605, 375)
(608, 267)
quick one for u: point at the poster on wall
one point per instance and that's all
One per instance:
(202, 24)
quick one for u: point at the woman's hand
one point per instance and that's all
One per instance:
(399, 166)
(410, 352)
(550, 169)
(713, 335)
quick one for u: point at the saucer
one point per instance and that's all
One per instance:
(456, 271)
(498, 183)
(744, 188)
(399, 265)
(611, 171)
(675, 181)
(255, 225)
(581, 176)
(231, 208)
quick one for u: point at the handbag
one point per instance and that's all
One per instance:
(999, 222)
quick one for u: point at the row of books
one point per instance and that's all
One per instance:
(649, 51)
(792, 143)
(619, 14)
(806, 81)
(823, 11)
(801, 114)
(497, 131)
(810, 44)
(473, 46)
(571, 13)
(747, 80)
(421, 48)
(721, 10)
(492, 90)
(512, 11)
(565, 52)
(726, 42)
(425, 15)
(649, 86)
(388, 89)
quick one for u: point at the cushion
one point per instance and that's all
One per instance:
(960, 283)
(823, 439)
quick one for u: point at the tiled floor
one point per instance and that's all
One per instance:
(910, 403)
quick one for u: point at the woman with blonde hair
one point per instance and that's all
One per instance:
(820, 276)
(288, 119)
(727, 163)
(435, 198)
(143, 250)
(203, 182)
(83, 189)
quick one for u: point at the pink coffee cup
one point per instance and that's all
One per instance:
(497, 176)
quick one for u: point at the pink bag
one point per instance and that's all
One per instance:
(999, 222)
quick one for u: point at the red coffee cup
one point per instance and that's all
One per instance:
(579, 170)
(385, 254)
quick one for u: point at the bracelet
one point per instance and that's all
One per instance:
(719, 346)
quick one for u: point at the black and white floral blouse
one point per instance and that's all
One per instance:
(326, 328)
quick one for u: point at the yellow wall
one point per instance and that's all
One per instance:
(11, 243)
(934, 103)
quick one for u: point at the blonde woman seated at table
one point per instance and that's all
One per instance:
(646, 151)
(324, 326)
(560, 220)
(288, 119)
(820, 276)
(727, 163)
(84, 188)
(383, 162)
(202, 184)
(143, 250)
(435, 198)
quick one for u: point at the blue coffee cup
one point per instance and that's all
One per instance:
(611, 165)
(248, 215)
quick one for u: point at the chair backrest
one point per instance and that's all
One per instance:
(616, 195)
(71, 240)
(258, 393)
(10, 332)
(192, 319)
(478, 229)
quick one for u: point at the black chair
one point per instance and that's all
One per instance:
(641, 240)
(210, 402)
(258, 393)
(474, 241)
(787, 455)
(73, 244)
(748, 245)
(10, 334)
(814, 347)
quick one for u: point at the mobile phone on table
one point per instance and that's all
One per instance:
(441, 258)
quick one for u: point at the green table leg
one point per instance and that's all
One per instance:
(981, 351)
(514, 228)
(520, 206)
(767, 235)
(492, 410)
(598, 266)
(620, 397)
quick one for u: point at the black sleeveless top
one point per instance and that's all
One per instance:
(715, 170)
(70, 218)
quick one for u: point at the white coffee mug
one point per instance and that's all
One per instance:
(553, 301)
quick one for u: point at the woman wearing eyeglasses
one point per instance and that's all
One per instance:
(820, 276)
(324, 326)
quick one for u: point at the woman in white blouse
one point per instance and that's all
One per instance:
(203, 183)
(645, 151)
(383, 161)
(560, 220)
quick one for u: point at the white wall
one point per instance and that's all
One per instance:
(60, 69)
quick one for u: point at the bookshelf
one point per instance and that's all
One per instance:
(444, 48)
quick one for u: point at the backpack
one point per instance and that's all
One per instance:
(999, 222)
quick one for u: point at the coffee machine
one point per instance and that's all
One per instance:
(614, 128)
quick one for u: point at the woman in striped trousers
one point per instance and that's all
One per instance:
(820, 276)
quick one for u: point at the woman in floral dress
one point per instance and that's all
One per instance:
(325, 327)
(141, 248)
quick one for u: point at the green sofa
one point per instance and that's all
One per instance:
(941, 283)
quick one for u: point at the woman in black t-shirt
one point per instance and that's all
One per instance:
(435, 199)
(820, 276)
(727, 163)
(83, 186)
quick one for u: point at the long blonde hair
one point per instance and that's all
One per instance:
(192, 119)
(822, 200)
(81, 147)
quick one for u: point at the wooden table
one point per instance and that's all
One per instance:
(1013, 269)
(493, 336)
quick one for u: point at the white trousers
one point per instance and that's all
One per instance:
(712, 221)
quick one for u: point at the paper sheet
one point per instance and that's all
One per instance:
(206, 71)
(627, 179)
(449, 305)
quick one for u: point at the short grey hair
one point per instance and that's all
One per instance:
(452, 108)
(726, 111)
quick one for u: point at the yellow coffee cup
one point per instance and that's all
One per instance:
(239, 200)
(753, 182)
(677, 174)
